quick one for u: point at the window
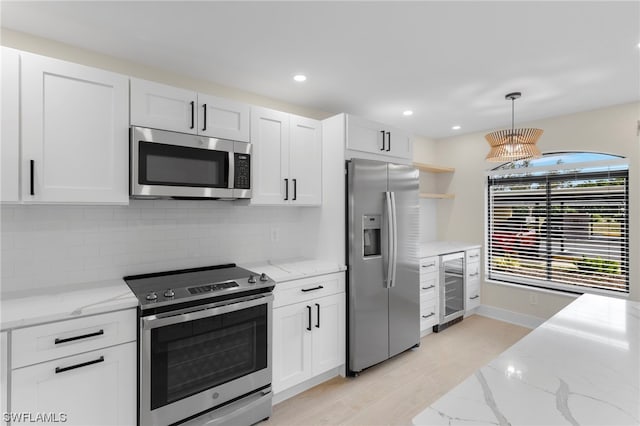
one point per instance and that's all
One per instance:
(560, 222)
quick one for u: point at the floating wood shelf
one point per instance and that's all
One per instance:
(433, 168)
(432, 195)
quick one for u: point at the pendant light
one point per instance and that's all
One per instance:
(513, 144)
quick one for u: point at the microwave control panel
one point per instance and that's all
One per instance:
(242, 171)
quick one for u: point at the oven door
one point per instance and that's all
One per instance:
(202, 357)
(170, 164)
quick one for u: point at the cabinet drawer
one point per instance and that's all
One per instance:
(473, 296)
(308, 288)
(473, 255)
(428, 265)
(473, 270)
(428, 315)
(428, 286)
(40, 343)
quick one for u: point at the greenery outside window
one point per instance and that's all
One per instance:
(560, 222)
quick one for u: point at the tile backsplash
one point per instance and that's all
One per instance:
(51, 245)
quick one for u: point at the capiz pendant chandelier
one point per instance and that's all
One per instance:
(513, 144)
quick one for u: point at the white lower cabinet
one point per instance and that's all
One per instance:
(94, 388)
(308, 329)
(429, 278)
(77, 372)
(472, 282)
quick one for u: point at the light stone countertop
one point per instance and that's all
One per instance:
(436, 248)
(23, 309)
(582, 366)
(293, 269)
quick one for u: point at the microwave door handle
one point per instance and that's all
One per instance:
(232, 170)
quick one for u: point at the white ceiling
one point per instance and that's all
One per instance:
(449, 62)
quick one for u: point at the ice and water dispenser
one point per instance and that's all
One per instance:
(371, 238)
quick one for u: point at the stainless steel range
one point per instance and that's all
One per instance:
(204, 346)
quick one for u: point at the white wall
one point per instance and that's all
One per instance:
(611, 130)
(424, 151)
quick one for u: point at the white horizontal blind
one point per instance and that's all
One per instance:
(566, 231)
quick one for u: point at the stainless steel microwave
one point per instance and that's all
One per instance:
(167, 164)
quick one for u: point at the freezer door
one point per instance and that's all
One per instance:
(368, 240)
(404, 296)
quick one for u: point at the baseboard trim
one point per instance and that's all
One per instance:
(299, 388)
(523, 320)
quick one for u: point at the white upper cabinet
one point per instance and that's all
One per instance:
(287, 159)
(165, 107)
(10, 132)
(222, 118)
(74, 123)
(377, 140)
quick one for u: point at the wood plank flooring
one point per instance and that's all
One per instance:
(393, 392)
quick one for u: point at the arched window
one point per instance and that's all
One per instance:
(560, 222)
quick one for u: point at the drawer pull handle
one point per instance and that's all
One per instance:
(312, 289)
(84, 336)
(474, 255)
(428, 316)
(428, 288)
(82, 364)
(431, 265)
(475, 274)
(474, 297)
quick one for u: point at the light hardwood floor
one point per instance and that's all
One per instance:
(393, 392)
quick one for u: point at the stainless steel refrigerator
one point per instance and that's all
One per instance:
(383, 266)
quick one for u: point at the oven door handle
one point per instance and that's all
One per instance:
(199, 312)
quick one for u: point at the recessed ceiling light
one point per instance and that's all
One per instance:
(300, 77)
(456, 127)
(407, 112)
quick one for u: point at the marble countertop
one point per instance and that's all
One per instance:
(436, 248)
(23, 309)
(581, 367)
(293, 269)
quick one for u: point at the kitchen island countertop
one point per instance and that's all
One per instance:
(582, 366)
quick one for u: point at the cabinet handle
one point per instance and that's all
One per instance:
(309, 312)
(427, 288)
(286, 189)
(295, 189)
(84, 336)
(83, 364)
(431, 265)
(382, 131)
(312, 289)
(474, 297)
(318, 309)
(474, 255)
(32, 166)
(430, 315)
(389, 141)
(475, 274)
(193, 112)
(204, 125)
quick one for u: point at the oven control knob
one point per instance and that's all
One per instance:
(263, 277)
(152, 296)
(252, 279)
(169, 293)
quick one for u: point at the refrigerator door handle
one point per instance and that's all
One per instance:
(394, 240)
(387, 261)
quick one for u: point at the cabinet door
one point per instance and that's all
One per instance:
(305, 161)
(291, 346)
(75, 133)
(94, 388)
(10, 132)
(270, 160)
(365, 135)
(163, 107)
(328, 333)
(222, 118)
(399, 144)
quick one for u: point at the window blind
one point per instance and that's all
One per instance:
(567, 231)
